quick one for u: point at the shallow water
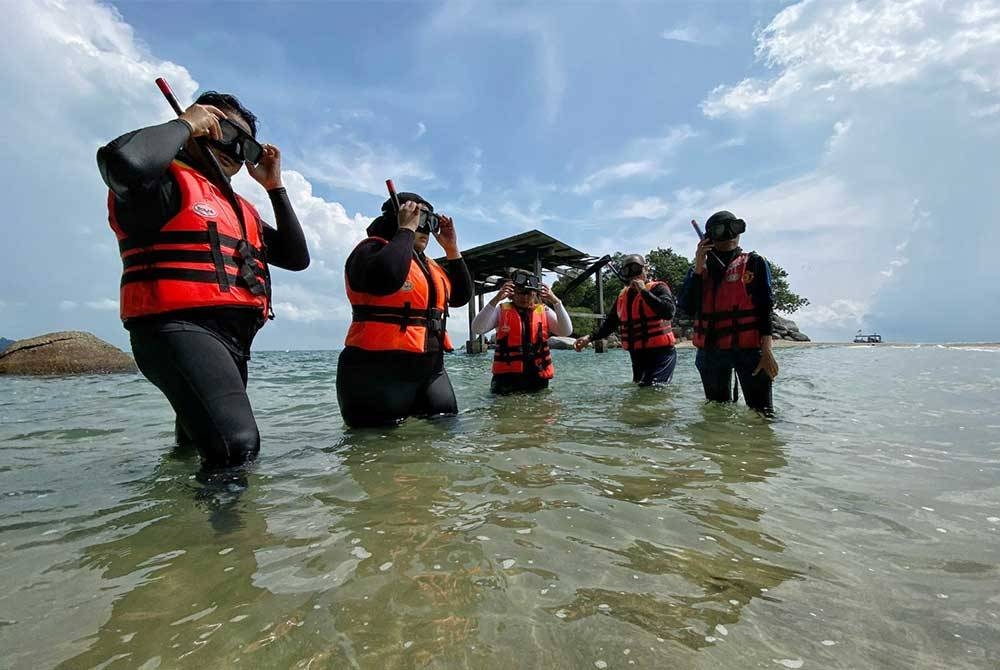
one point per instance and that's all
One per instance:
(593, 525)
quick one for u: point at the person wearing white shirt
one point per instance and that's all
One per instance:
(522, 361)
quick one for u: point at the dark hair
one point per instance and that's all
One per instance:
(227, 101)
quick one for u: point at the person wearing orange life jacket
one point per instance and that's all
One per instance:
(392, 364)
(522, 360)
(729, 293)
(642, 313)
(195, 286)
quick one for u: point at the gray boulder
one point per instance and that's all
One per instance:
(64, 353)
(561, 342)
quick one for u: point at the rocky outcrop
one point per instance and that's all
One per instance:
(561, 342)
(786, 329)
(64, 353)
(4, 343)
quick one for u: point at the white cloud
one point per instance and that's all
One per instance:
(645, 208)
(421, 130)
(363, 167)
(645, 158)
(103, 305)
(613, 173)
(473, 182)
(730, 143)
(838, 316)
(692, 34)
(845, 47)
(908, 88)
(77, 77)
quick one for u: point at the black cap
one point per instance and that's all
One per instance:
(634, 258)
(720, 217)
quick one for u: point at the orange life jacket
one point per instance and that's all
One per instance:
(728, 318)
(514, 351)
(641, 328)
(200, 258)
(404, 320)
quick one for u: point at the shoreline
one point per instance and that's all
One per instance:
(780, 344)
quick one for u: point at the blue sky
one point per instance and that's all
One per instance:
(859, 141)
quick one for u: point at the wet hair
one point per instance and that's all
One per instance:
(227, 101)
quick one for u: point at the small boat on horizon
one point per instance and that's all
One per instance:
(874, 338)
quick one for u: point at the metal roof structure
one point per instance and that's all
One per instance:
(533, 250)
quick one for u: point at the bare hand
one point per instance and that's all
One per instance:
(267, 173)
(506, 291)
(204, 121)
(548, 297)
(582, 343)
(445, 235)
(767, 364)
(409, 215)
(637, 284)
(701, 253)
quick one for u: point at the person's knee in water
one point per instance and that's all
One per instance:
(642, 315)
(221, 285)
(524, 313)
(729, 293)
(400, 299)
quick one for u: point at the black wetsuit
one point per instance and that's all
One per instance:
(378, 388)
(198, 357)
(649, 366)
(716, 365)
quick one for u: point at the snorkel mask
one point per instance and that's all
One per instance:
(723, 226)
(632, 266)
(238, 144)
(525, 281)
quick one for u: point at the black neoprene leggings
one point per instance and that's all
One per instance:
(374, 392)
(205, 383)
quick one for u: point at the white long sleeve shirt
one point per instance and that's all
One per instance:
(559, 321)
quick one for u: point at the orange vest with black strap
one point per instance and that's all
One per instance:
(516, 354)
(404, 320)
(641, 328)
(199, 258)
(728, 318)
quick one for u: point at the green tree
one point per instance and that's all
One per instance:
(665, 264)
(669, 266)
(784, 300)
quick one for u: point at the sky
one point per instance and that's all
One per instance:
(858, 140)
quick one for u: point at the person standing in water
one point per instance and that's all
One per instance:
(196, 285)
(522, 360)
(642, 313)
(728, 292)
(392, 365)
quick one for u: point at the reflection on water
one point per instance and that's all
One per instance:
(596, 522)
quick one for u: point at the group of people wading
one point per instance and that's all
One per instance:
(196, 288)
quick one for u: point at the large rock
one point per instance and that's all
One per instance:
(798, 337)
(65, 353)
(561, 342)
(4, 343)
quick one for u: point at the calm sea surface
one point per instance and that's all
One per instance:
(595, 525)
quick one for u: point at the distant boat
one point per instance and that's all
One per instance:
(874, 338)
